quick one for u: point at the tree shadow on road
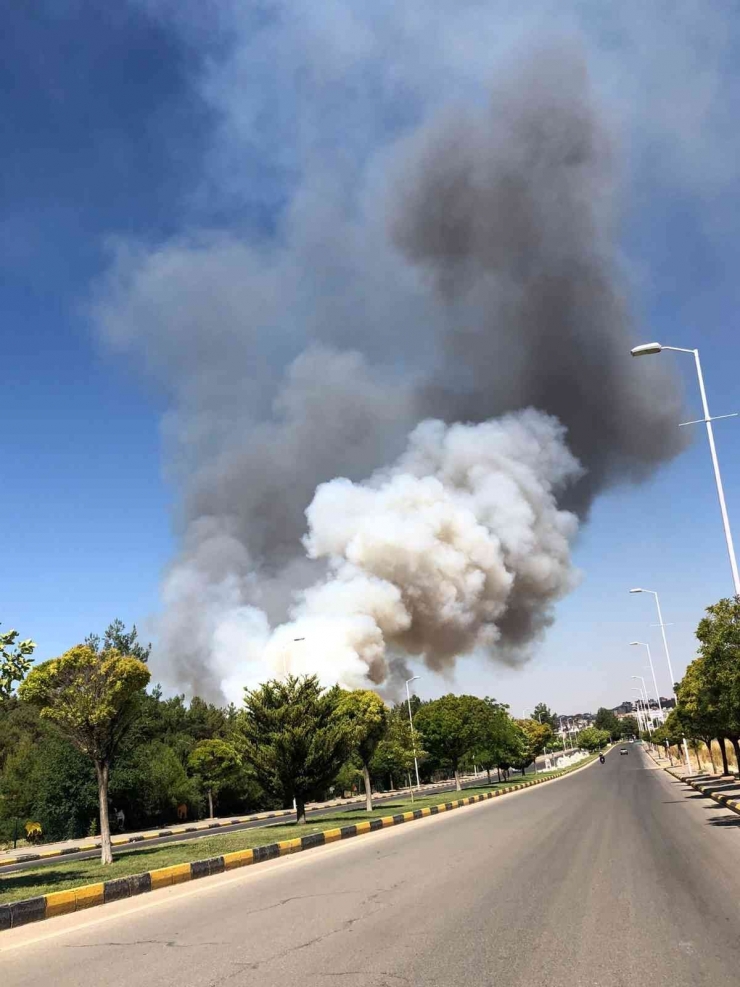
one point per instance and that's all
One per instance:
(725, 822)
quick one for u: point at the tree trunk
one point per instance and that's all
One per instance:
(723, 752)
(390, 778)
(498, 769)
(210, 803)
(106, 854)
(711, 756)
(736, 747)
(368, 788)
(300, 810)
(488, 772)
(458, 786)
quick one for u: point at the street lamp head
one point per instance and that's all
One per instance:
(644, 349)
(633, 643)
(413, 678)
(637, 591)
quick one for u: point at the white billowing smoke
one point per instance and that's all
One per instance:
(429, 554)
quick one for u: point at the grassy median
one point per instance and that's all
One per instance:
(72, 874)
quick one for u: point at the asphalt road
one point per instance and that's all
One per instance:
(205, 834)
(615, 876)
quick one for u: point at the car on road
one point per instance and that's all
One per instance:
(624, 750)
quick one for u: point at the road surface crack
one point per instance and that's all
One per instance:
(144, 942)
(345, 926)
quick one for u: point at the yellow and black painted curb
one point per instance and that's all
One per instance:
(76, 899)
(708, 789)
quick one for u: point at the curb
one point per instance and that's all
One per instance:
(24, 858)
(705, 788)
(46, 906)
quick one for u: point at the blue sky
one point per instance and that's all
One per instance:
(143, 123)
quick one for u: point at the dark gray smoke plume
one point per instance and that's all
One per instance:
(511, 213)
(479, 275)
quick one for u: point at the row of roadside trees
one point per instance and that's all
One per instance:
(707, 709)
(82, 733)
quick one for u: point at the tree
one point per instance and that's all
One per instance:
(697, 708)
(511, 751)
(592, 739)
(117, 638)
(606, 720)
(394, 755)
(536, 737)
(294, 738)
(17, 783)
(628, 727)
(88, 696)
(15, 661)
(149, 782)
(214, 762)
(494, 740)
(719, 645)
(451, 729)
(543, 714)
(367, 716)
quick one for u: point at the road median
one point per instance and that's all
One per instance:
(127, 840)
(63, 902)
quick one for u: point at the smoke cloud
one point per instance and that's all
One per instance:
(511, 212)
(467, 271)
(427, 557)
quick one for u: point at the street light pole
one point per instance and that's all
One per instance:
(411, 722)
(652, 670)
(641, 718)
(662, 631)
(647, 704)
(644, 350)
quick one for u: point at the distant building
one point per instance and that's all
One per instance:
(579, 721)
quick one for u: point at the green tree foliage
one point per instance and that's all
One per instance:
(15, 661)
(88, 697)
(450, 728)
(592, 739)
(213, 762)
(536, 737)
(367, 717)
(628, 727)
(543, 714)
(17, 785)
(500, 742)
(393, 759)
(117, 638)
(606, 720)
(698, 707)
(348, 777)
(294, 739)
(718, 634)
(149, 784)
